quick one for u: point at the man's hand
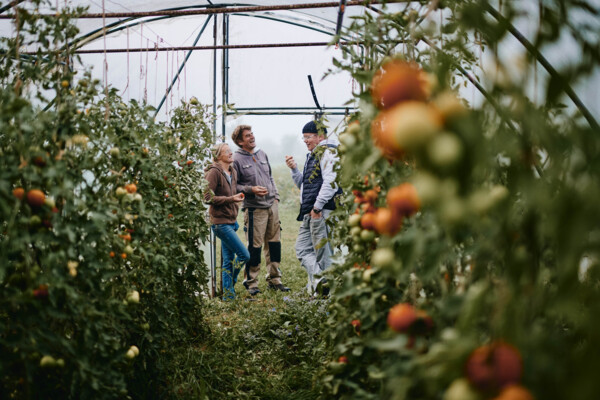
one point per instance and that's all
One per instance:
(314, 215)
(260, 190)
(238, 197)
(289, 161)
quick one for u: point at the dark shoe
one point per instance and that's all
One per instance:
(279, 287)
(253, 291)
(323, 289)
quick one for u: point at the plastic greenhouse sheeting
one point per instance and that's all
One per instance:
(264, 78)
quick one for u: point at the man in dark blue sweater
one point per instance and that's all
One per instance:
(318, 190)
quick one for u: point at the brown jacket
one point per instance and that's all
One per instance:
(222, 210)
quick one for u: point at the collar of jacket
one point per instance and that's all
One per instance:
(218, 166)
(247, 153)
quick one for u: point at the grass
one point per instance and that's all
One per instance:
(270, 348)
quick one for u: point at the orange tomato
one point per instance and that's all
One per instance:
(36, 198)
(398, 81)
(404, 199)
(514, 392)
(367, 221)
(19, 193)
(401, 317)
(387, 222)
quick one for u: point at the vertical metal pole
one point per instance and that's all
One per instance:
(215, 77)
(225, 73)
(213, 259)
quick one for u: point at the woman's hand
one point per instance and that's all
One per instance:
(238, 197)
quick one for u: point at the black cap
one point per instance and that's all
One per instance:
(311, 127)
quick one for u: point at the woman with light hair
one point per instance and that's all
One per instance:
(223, 211)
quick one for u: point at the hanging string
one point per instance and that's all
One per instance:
(167, 88)
(172, 73)
(127, 85)
(185, 82)
(178, 79)
(141, 64)
(156, 69)
(171, 80)
(17, 46)
(105, 71)
(146, 77)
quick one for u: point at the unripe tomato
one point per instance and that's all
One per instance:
(50, 202)
(135, 350)
(354, 220)
(383, 257)
(120, 192)
(460, 389)
(114, 151)
(133, 297)
(367, 235)
(47, 361)
(445, 150)
(130, 354)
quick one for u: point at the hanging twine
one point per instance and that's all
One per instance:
(127, 85)
(105, 70)
(141, 63)
(146, 76)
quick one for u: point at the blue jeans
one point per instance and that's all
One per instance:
(235, 255)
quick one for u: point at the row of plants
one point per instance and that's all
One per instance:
(473, 238)
(101, 223)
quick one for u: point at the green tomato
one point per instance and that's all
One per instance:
(35, 221)
(358, 248)
(355, 231)
(367, 235)
(354, 220)
(133, 297)
(47, 361)
(383, 257)
(121, 192)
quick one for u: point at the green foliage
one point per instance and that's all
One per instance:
(495, 252)
(268, 349)
(111, 259)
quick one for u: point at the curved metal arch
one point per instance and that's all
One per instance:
(120, 25)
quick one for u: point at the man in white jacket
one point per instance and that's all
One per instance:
(318, 191)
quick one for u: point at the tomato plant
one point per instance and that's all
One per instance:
(484, 215)
(83, 178)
